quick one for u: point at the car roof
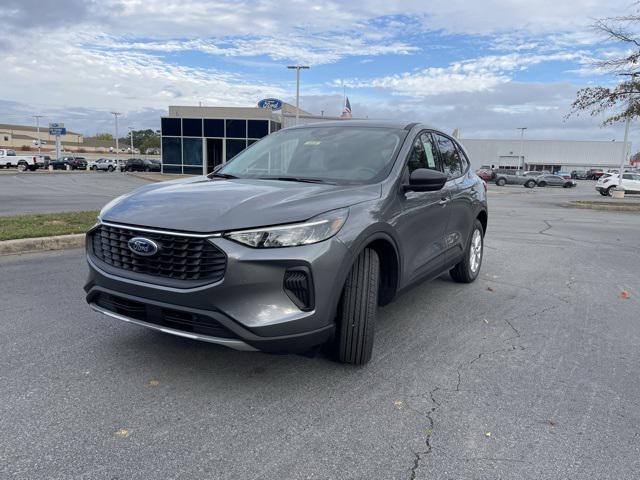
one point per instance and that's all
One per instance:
(367, 123)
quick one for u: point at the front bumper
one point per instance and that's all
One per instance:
(249, 303)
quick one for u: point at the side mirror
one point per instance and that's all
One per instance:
(425, 180)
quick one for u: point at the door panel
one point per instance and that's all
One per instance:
(461, 190)
(423, 218)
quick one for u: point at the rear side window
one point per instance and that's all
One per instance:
(423, 154)
(451, 162)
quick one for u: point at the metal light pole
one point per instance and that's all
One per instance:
(521, 157)
(38, 117)
(115, 115)
(131, 135)
(627, 123)
(297, 68)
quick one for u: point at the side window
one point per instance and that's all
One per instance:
(450, 156)
(423, 154)
(627, 176)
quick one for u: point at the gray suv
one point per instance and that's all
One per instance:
(295, 242)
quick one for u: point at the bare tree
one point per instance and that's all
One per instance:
(601, 100)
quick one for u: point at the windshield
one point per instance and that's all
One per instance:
(331, 154)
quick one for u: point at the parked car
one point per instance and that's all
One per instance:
(9, 158)
(107, 165)
(516, 178)
(554, 181)
(142, 165)
(630, 182)
(565, 175)
(283, 249)
(535, 173)
(75, 163)
(579, 174)
(485, 174)
(594, 173)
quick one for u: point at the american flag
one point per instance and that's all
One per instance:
(347, 108)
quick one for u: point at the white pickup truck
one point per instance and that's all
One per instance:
(8, 159)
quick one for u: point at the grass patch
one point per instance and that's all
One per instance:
(45, 224)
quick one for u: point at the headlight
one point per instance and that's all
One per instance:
(315, 230)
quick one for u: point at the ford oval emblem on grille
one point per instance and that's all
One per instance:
(143, 246)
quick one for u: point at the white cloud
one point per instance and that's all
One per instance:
(474, 75)
(124, 80)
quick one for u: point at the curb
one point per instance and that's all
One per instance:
(611, 206)
(25, 245)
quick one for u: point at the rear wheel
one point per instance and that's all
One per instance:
(147, 169)
(542, 184)
(530, 184)
(469, 267)
(357, 310)
(110, 168)
(501, 182)
(22, 166)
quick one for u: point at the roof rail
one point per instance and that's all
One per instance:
(411, 125)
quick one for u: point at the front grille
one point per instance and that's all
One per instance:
(299, 287)
(178, 257)
(163, 317)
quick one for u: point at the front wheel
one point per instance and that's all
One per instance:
(469, 267)
(530, 184)
(604, 193)
(610, 191)
(542, 184)
(357, 310)
(501, 182)
(110, 168)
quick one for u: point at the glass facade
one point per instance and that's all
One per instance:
(188, 144)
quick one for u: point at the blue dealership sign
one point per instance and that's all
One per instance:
(270, 103)
(55, 131)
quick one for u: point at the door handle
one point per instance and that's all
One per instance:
(443, 201)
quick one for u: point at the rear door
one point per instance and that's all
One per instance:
(461, 190)
(423, 217)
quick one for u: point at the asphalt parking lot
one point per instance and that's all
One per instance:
(35, 192)
(530, 372)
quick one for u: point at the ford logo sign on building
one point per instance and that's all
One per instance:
(143, 246)
(270, 103)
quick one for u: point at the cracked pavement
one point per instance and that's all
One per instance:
(530, 372)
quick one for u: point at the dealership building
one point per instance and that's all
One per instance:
(552, 155)
(197, 139)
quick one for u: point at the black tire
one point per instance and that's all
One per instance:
(603, 193)
(357, 310)
(610, 190)
(463, 271)
(542, 184)
(147, 169)
(530, 184)
(501, 182)
(8, 165)
(110, 168)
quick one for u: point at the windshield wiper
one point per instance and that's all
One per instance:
(223, 175)
(298, 179)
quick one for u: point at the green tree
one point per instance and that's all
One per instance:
(142, 139)
(103, 136)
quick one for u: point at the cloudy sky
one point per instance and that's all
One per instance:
(485, 67)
